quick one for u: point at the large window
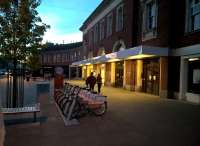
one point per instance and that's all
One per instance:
(193, 15)
(91, 37)
(149, 25)
(109, 24)
(119, 19)
(102, 30)
(151, 16)
(96, 32)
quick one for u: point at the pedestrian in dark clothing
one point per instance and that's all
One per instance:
(87, 82)
(91, 81)
(99, 83)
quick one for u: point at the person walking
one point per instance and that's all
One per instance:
(91, 81)
(99, 82)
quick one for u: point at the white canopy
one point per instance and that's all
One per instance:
(132, 53)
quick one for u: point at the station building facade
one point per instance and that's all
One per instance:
(145, 46)
(62, 55)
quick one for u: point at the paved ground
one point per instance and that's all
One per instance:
(132, 119)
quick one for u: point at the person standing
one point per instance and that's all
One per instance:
(91, 81)
(99, 82)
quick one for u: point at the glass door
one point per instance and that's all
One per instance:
(151, 76)
(119, 74)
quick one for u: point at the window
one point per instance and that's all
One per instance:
(49, 59)
(195, 15)
(151, 16)
(192, 16)
(102, 30)
(119, 19)
(58, 58)
(96, 32)
(75, 56)
(109, 24)
(54, 58)
(63, 57)
(90, 37)
(45, 59)
(149, 25)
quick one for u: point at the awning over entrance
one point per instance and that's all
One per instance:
(132, 53)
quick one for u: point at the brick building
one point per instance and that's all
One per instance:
(146, 46)
(62, 55)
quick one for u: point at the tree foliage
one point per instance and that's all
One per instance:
(21, 29)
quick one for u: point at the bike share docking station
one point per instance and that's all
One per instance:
(75, 102)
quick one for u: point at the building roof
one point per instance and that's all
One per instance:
(62, 47)
(98, 10)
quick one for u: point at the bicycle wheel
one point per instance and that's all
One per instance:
(100, 110)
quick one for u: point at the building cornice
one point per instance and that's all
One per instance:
(99, 13)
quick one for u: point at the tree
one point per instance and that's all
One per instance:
(21, 32)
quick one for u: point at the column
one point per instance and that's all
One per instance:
(139, 70)
(112, 73)
(183, 78)
(163, 89)
(125, 74)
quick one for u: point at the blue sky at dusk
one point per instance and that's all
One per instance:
(65, 18)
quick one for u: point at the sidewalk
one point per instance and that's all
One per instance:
(133, 119)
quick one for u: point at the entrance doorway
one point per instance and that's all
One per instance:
(119, 74)
(151, 76)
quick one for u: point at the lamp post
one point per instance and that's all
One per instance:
(15, 2)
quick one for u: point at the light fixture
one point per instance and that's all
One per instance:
(140, 56)
(194, 59)
(88, 64)
(113, 60)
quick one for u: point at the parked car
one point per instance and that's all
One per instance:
(2, 71)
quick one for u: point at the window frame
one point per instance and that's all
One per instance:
(109, 24)
(102, 29)
(152, 17)
(149, 33)
(189, 17)
(118, 26)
